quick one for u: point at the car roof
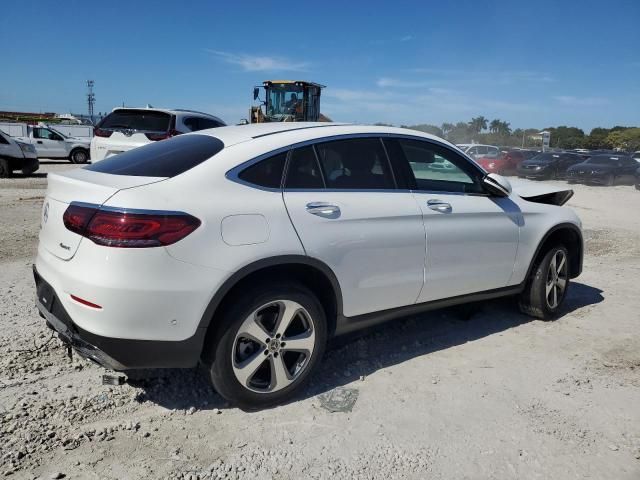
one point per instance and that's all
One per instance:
(293, 132)
(166, 110)
(475, 145)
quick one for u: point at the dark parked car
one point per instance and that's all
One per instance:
(638, 179)
(604, 170)
(548, 165)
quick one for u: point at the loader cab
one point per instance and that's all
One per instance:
(287, 101)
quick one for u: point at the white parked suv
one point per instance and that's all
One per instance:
(477, 151)
(245, 248)
(127, 128)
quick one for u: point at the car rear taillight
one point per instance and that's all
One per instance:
(120, 228)
(100, 132)
(162, 136)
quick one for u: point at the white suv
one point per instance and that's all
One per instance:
(127, 128)
(247, 247)
(477, 151)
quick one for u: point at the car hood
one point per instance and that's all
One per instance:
(541, 192)
(590, 166)
(536, 163)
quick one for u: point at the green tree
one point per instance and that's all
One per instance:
(494, 126)
(477, 124)
(504, 129)
(446, 128)
(627, 139)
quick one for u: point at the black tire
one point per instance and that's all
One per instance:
(220, 352)
(78, 156)
(5, 168)
(533, 300)
(28, 171)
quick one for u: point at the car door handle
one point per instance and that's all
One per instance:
(39, 141)
(439, 205)
(321, 209)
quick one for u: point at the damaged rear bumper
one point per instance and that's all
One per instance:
(114, 353)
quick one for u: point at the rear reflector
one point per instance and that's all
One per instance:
(162, 136)
(99, 132)
(86, 302)
(119, 228)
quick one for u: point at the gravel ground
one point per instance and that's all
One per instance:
(480, 392)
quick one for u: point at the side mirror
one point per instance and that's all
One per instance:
(256, 91)
(497, 185)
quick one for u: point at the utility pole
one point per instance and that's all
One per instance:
(91, 98)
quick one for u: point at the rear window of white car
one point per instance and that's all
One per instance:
(147, 121)
(166, 158)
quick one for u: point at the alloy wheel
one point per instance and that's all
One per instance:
(557, 278)
(273, 346)
(79, 157)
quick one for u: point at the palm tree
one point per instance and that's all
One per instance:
(504, 128)
(494, 126)
(478, 124)
(446, 128)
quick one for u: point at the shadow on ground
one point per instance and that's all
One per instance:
(352, 357)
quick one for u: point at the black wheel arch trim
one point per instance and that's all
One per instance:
(561, 226)
(276, 261)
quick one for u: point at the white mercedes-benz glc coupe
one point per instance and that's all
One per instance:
(246, 248)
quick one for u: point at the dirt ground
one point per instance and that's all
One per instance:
(471, 393)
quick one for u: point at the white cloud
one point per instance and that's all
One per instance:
(406, 38)
(259, 63)
(572, 101)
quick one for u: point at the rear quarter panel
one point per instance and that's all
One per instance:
(207, 194)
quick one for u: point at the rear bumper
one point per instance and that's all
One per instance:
(114, 353)
(533, 173)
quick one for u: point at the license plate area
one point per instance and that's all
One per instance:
(45, 292)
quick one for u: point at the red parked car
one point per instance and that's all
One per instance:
(507, 163)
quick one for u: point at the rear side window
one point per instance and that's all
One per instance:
(142, 120)
(303, 170)
(266, 173)
(199, 123)
(166, 158)
(204, 123)
(359, 163)
(3, 140)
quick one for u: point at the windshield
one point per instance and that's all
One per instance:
(58, 132)
(603, 159)
(545, 158)
(140, 120)
(285, 101)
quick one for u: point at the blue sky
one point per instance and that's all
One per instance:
(533, 64)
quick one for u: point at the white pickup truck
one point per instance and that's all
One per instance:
(49, 142)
